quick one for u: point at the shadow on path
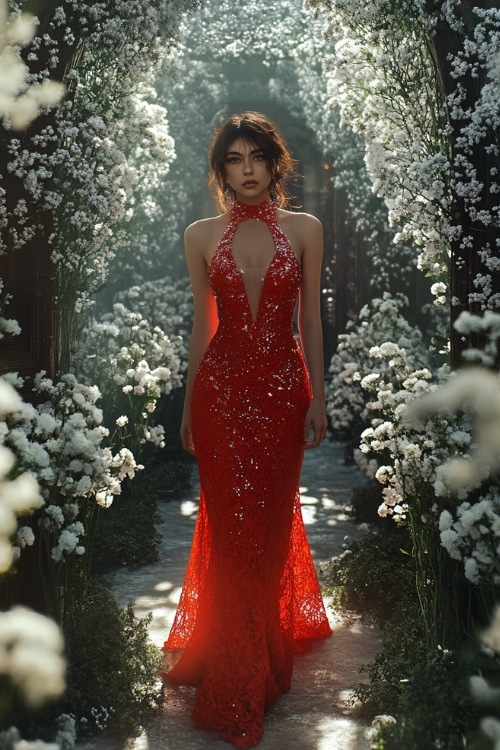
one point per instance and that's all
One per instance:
(317, 713)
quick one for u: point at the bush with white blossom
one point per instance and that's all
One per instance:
(31, 645)
(470, 530)
(18, 495)
(165, 303)
(21, 98)
(412, 453)
(378, 322)
(435, 443)
(430, 148)
(134, 364)
(109, 140)
(63, 443)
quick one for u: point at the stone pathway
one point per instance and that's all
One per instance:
(317, 713)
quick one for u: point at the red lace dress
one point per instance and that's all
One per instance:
(251, 596)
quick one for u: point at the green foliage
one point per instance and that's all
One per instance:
(373, 574)
(426, 688)
(436, 708)
(112, 667)
(365, 501)
(169, 478)
(403, 646)
(112, 675)
(126, 532)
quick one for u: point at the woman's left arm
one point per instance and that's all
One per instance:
(309, 320)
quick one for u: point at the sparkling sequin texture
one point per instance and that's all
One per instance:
(250, 597)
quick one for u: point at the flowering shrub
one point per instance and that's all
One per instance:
(426, 168)
(20, 100)
(356, 362)
(82, 168)
(62, 442)
(470, 531)
(134, 365)
(165, 303)
(474, 536)
(372, 74)
(421, 473)
(19, 495)
(438, 452)
(31, 646)
(414, 453)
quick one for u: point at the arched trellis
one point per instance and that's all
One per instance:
(31, 279)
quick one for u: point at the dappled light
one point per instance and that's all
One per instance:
(322, 510)
(189, 508)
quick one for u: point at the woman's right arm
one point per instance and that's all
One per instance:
(205, 318)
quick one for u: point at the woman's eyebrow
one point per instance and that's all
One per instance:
(238, 153)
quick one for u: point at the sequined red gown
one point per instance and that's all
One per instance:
(250, 597)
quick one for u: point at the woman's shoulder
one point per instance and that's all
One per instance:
(299, 218)
(300, 223)
(205, 229)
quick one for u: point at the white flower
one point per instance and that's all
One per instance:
(25, 536)
(481, 691)
(449, 539)
(368, 380)
(491, 636)
(471, 570)
(20, 102)
(491, 728)
(445, 520)
(31, 650)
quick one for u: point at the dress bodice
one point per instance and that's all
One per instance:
(279, 281)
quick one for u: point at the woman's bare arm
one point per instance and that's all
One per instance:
(205, 319)
(310, 329)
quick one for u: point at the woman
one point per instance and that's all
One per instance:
(251, 597)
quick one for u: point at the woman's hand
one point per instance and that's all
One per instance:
(317, 423)
(186, 436)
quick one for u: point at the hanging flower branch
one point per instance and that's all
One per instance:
(84, 165)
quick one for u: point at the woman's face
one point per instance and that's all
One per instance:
(247, 172)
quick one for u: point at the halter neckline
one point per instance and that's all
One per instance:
(265, 211)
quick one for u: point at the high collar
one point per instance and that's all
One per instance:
(265, 211)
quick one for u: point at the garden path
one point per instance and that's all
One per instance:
(317, 713)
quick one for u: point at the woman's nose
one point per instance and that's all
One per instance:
(248, 166)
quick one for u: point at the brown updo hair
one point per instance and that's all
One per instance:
(260, 132)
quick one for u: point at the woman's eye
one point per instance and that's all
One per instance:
(259, 157)
(232, 160)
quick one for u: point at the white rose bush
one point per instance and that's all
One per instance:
(62, 443)
(134, 365)
(31, 645)
(378, 322)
